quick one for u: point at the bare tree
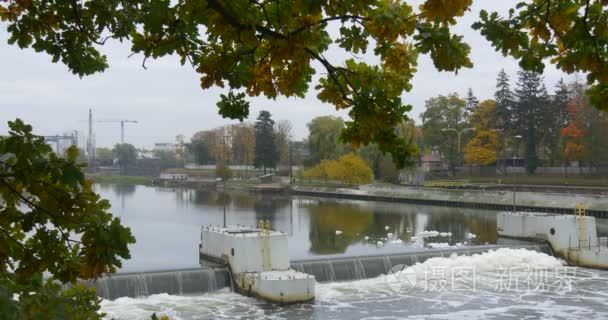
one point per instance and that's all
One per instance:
(283, 136)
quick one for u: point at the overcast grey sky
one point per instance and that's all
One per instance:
(167, 100)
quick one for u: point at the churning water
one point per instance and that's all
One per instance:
(576, 294)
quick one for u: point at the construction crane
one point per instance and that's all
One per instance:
(58, 138)
(122, 126)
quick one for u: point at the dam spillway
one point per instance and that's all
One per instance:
(175, 282)
(332, 269)
(325, 269)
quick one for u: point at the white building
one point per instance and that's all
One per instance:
(164, 146)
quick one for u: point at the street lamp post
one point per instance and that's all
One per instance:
(517, 138)
(459, 134)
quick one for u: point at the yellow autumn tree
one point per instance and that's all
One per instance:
(320, 171)
(349, 168)
(482, 148)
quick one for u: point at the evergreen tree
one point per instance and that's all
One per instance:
(545, 130)
(530, 95)
(555, 117)
(503, 113)
(472, 103)
(266, 155)
(504, 101)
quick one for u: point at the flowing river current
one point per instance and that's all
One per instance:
(502, 283)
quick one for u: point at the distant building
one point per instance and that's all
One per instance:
(173, 176)
(146, 154)
(164, 146)
(432, 161)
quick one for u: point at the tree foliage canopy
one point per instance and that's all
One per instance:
(323, 141)
(125, 153)
(266, 153)
(349, 168)
(443, 113)
(269, 47)
(52, 223)
(483, 147)
(572, 34)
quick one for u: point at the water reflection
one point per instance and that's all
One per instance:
(328, 217)
(166, 223)
(361, 224)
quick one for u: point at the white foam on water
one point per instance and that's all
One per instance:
(443, 245)
(493, 260)
(427, 234)
(222, 304)
(375, 299)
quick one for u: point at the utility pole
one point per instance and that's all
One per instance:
(90, 143)
(224, 156)
(517, 138)
(122, 132)
(290, 163)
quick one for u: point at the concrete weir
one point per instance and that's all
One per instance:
(259, 262)
(213, 276)
(572, 237)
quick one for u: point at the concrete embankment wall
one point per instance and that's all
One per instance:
(596, 205)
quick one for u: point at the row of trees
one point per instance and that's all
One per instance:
(324, 143)
(127, 157)
(524, 125)
(265, 144)
(525, 122)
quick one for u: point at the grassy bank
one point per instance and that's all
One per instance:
(122, 179)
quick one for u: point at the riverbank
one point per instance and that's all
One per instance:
(588, 181)
(141, 180)
(596, 205)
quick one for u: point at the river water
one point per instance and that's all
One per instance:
(166, 223)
